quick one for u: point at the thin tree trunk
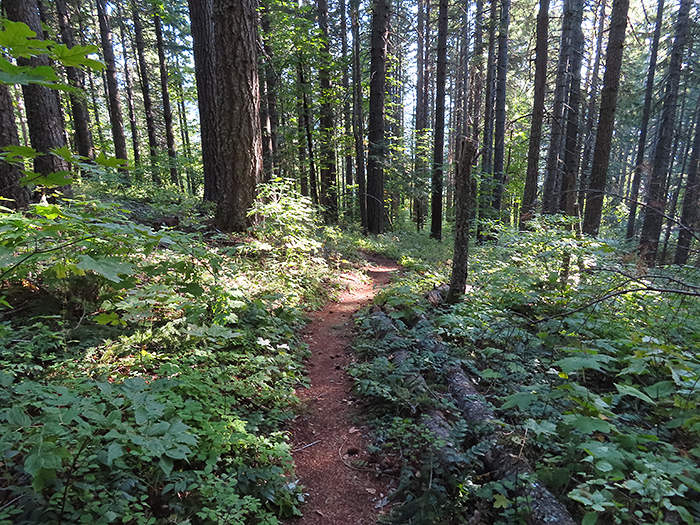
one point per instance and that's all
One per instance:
(9, 173)
(307, 127)
(421, 120)
(606, 121)
(439, 144)
(656, 198)
(589, 134)
(358, 118)
(644, 125)
(167, 110)
(347, 120)
(377, 146)
(329, 190)
(691, 204)
(130, 95)
(81, 120)
(571, 148)
(146, 84)
(555, 154)
(115, 110)
(500, 129)
(271, 91)
(533, 154)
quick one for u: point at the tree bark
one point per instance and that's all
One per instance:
(691, 203)
(606, 121)
(439, 144)
(571, 145)
(167, 110)
(377, 144)
(329, 190)
(421, 120)
(238, 119)
(271, 92)
(500, 129)
(358, 118)
(44, 119)
(656, 197)
(460, 258)
(115, 110)
(78, 101)
(146, 84)
(9, 173)
(129, 95)
(533, 153)
(644, 125)
(202, 24)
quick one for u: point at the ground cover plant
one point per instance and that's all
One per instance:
(146, 374)
(588, 359)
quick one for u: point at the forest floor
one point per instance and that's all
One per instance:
(328, 437)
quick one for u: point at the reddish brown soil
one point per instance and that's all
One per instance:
(329, 440)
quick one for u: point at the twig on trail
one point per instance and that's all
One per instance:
(307, 446)
(370, 470)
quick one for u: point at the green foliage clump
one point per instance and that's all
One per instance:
(147, 374)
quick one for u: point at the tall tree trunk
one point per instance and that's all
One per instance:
(377, 146)
(115, 110)
(644, 125)
(421, 119)
(533, 154)
(146, 83)
(606, 121)
(487, 155)
(571, 144)
(476, 74)
(130, 95)
(304, 87)
(589, 134)
(78, 102)
(555, 154)
(439, 144)
(691, 202)
(329, 190)
(238, 119)
(167, 110)
(656, 197)
(271, 91)
(202, 24)
(500, 129)
(44, 118)
(9, 173)
(358, 118)
(347, 121)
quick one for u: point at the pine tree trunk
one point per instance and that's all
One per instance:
(571, 146)
(656, 197)
(130, 95)
(644, 125)
(358, 117)
(589, 134)
(271, 92)
(303, 87)
(9, 173)
(500, 129)
(691, 203)
(606, 120)
(421, 120)
(115, 110)
(167, 110)
(44, 118)
(146, 85)
(347, 120)
(78, 102)
(555, 154)
(533, 154)
(202, 24)
(238, 119)
(329, 190)
(439, 144)
(377, 146)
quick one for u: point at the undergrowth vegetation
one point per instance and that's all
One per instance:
(590, 362)
(146, 374)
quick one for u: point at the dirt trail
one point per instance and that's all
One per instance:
(328, 442)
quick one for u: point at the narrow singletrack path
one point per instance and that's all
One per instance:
(330, 449)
